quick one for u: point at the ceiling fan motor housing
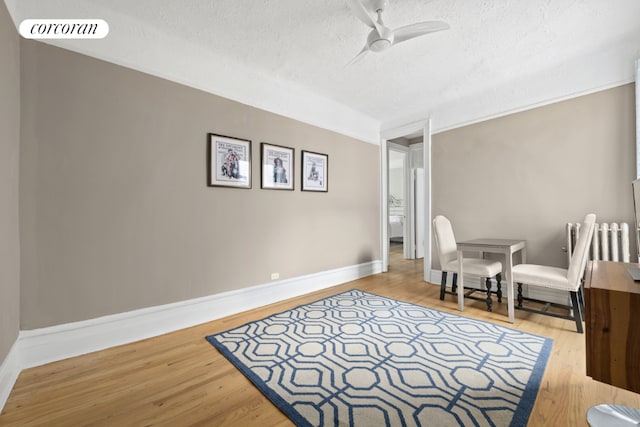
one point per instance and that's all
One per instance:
(379, 42)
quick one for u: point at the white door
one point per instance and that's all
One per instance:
(420, 211)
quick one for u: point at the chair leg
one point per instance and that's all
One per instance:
(499, 291)
(581, 293)
(581, 296)
(577, 312)
(520, 295)
(443, 284)
(581, 301)
(454, 284)
(489, 301)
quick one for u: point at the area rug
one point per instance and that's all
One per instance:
(358, 359)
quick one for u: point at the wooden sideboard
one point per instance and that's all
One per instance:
(612, 317)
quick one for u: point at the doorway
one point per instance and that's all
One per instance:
(416, 239)
(399, 195)
(406, 197)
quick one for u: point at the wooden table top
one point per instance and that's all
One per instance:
(613, 276)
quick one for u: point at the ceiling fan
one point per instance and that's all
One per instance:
(382, 37)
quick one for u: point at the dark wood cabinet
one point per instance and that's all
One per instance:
(612, 317)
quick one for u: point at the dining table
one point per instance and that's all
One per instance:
(507, 247)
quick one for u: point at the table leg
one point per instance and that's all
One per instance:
(507, 272)
(460, 283)
(481, 281)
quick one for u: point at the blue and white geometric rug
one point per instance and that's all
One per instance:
(358, 359)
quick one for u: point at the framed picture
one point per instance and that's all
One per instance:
(315, 168)
(276, 167)
(228, 162)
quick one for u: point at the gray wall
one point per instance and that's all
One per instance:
(116, 214)
(9, 149)
(527, 174)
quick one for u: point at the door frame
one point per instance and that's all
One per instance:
(413, 150)
(407, 229)
(423, 126)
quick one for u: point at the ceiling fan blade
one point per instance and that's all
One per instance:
(361, 13)
(416, 30)
(359, 56)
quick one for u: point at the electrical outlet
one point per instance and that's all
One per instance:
(275, 276)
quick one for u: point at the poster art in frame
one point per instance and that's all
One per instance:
(276, 167)
(315, 170)
(228, 161)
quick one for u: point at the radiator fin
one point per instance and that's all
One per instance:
(610, 241)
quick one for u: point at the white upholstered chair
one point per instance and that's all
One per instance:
(569, 280)
(448, 252)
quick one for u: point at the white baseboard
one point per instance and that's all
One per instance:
(470, 280)
(41, 346)
(436, 276)
(9, 371)
(544, 294)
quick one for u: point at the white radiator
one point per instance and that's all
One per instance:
(610, 241)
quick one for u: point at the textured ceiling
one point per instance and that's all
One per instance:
(290, 56)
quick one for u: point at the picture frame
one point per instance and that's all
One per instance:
(276, 168)
(228, 161)
(315, 171)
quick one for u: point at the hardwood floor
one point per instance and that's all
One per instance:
(179, 379)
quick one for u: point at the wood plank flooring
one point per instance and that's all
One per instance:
(179, 379)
